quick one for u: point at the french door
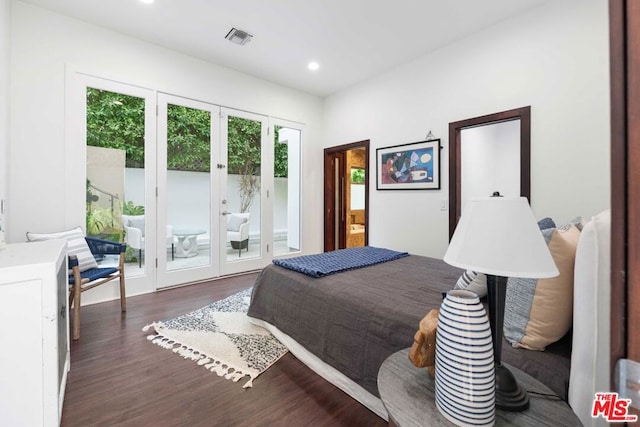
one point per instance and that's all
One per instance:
(211, 192)
(245, 203)
(187, 239)
(195, 190)
(112, 130)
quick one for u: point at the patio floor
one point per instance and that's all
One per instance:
(133, 269)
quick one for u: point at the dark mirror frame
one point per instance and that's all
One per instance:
(455, 191)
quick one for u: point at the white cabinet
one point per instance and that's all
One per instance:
(34, 333)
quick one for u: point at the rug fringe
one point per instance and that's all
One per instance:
(204, 360)
(221, 368)
(249, 383)
(210, 363)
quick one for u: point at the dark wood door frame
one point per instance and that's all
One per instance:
(333, 200)
(624, 48)
(455, 129)
(330, 189)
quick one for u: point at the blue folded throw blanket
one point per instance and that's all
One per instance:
(320, 265)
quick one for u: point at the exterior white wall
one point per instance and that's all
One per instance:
(282, 210)
(44, 43)
(184, 210)
(554, 58)
(290, 219)
(5, 56)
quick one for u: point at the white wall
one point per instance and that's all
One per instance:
(554, 58)
(5, 50)
(44, 44)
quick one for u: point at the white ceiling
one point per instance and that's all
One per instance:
(352, 40)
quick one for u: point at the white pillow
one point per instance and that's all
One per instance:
(76, 245)
(134, 221)
(591, 314)
(235, 221)
(474, 282)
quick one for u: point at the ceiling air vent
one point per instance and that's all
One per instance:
(238, 36)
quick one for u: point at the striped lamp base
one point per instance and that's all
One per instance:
(465, 378)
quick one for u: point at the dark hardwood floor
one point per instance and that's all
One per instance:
(119, 378)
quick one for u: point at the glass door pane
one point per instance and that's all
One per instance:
(115, 186)
(355, 196)
(185, 142)
(286, 190)
(188, 186)
(242, 207)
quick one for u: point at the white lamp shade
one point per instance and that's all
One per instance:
(500, 236)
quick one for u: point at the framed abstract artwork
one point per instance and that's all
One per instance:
(414, 166)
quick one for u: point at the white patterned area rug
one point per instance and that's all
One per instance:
(220, 338)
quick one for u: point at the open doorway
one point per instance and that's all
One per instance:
(346, 196)
(476, 131)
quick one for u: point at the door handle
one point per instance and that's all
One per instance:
(223, 213)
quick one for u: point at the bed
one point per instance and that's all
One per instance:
(343, 326)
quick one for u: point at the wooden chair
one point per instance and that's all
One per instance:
(84, 271)
(93, 277)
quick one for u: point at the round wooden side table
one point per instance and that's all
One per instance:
(408, 394)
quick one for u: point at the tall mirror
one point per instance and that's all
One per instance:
(489, 153)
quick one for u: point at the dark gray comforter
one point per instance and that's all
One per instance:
(354, 320)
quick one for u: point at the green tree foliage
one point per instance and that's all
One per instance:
(128, 208)
(357, 176)
(244, 146)
(115, 120)
(188, 139)
(280, 156)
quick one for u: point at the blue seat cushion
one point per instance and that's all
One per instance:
(94, 274)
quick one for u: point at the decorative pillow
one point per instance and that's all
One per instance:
(474, 282)
(134, 221)
(579, 222)
(235, 221)
(539, 312)
(545, 223)
(76, 245)
(591, 316)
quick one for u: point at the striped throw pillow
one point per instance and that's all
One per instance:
(76, 245)
(539, 312)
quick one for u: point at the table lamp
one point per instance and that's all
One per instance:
(499, 236)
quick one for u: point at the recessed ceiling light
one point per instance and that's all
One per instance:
(313, 66)
(147, 1)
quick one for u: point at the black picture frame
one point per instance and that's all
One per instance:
(413, 166)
